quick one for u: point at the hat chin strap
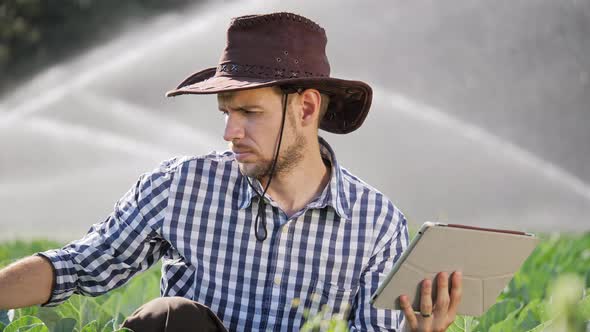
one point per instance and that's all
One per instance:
(261, 232)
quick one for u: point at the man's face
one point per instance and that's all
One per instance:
(252, 126)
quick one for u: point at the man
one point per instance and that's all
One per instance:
(257, 236)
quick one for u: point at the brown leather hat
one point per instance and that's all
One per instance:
(282, 49)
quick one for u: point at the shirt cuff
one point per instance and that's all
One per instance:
(64, 276)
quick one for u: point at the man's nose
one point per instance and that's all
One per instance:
(234, 129)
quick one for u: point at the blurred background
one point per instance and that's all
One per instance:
(481, 110)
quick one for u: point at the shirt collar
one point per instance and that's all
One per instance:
(333, 194)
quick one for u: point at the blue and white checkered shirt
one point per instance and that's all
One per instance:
(197, 215)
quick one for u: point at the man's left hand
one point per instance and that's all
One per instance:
(442, 315)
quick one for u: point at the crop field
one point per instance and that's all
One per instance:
(549, 293)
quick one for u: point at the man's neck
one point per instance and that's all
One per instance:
(306, 181)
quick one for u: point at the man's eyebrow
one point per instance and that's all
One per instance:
(243, 107)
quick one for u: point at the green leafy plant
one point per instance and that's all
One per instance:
(560, 263)
(549, 293)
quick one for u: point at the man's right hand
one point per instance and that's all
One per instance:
(440, 316)
(25, 283)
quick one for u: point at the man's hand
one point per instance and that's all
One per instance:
(443, 314)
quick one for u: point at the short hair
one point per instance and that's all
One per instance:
(323, 107)
(324, 103)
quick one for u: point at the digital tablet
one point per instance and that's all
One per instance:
(488, 258)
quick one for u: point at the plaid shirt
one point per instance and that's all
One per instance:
(197, 215)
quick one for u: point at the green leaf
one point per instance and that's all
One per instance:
(83, 309)
(26, 324)
(69, 310)
(28, 311)
(90, 327)
(463, 324)
(35, 328)
(112, 306)
(507, 324)
(108, 326)
(498, 312)
(528, 320)
(143, 291)
(531, 315)
(65, 325)
(541, 327)
(338, 325)
(49, 316)
(525, 319)
(584, 306)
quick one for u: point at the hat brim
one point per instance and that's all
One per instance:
(349, 105)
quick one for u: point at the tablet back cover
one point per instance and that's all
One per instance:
(488, 260)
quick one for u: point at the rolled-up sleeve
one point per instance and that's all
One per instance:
(390, 243)
(127, 242)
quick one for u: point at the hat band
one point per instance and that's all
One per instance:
(244, 70)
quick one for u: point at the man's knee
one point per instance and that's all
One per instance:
(165, 314)
(168, 304)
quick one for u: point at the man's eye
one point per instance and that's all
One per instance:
(241, 110)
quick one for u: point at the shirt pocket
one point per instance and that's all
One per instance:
(325, 300)
(335, 298)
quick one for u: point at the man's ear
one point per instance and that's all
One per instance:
(310, 107)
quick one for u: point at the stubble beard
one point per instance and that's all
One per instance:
(289, 158)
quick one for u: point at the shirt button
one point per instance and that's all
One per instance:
(285, 229)
(278, 281)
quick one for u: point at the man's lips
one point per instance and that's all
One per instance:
(241, 151)
(241, 155)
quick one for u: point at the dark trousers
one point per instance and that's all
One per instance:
(167, 314)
